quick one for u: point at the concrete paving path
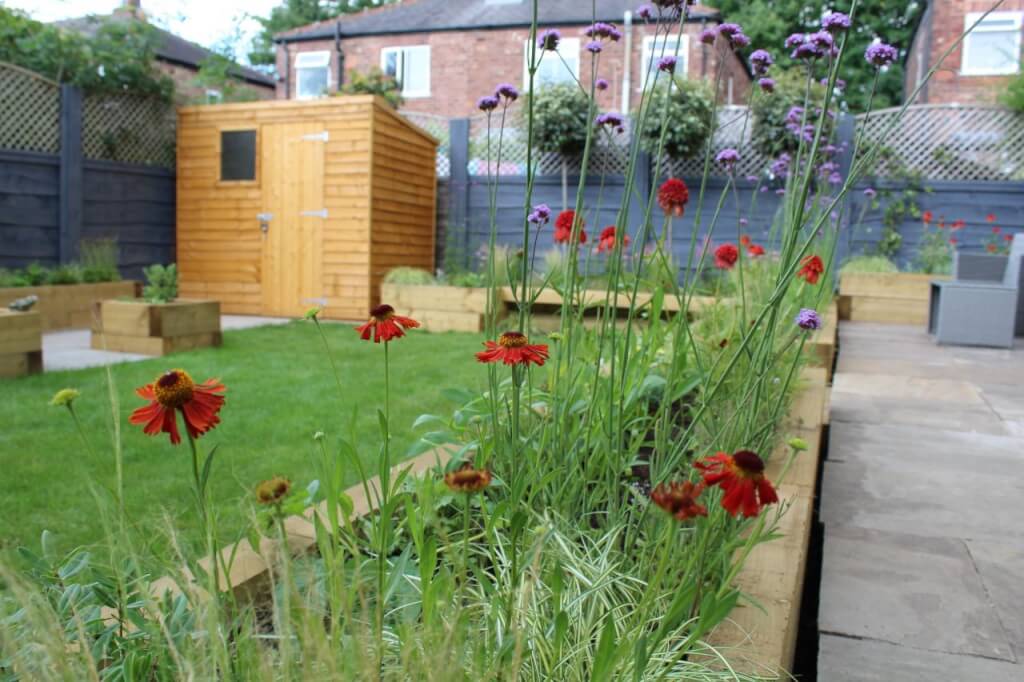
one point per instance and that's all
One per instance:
(923, 506)
(69, 348)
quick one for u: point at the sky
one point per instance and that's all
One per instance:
(207, 22)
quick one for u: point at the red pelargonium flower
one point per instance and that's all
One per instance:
(927, 217)
(811, 268)
(741, 478)
(726, 256)
(607, 240)
(673, 195)
(513, 348)
(680, 499)
(991, 217)
(175, 390)
(755, 250)
(564, 224)
(385, 325)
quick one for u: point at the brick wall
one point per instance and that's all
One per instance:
(185, 88)
(466, 65)
(940, 27)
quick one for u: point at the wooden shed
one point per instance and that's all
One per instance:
(289, 204)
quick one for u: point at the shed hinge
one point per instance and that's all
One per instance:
(322, 137)
(322, 213)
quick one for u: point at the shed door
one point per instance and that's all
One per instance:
(292, 166)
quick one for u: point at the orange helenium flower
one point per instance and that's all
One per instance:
(673, 195)
(607, 240)
(513, 348)
(680, 499)
(385, 325)
(741, 478)
(175, 390)
(468, 479)
(745, 240)
(755, 250)
(811, 269)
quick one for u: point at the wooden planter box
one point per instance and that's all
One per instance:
(155, 329)
(69, 306)
(894, 298)
(439, 309)
(21, 343)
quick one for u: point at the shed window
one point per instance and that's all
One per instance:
(238, 155)
(993, 47)
(312, 74)
(560, 66)
(656, 48)
(410, 66)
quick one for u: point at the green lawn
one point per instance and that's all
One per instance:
(281, 390)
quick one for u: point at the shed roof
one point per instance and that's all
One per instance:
(425, 16)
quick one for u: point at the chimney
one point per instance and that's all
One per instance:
(132, 8)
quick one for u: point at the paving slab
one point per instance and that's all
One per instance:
(1006, 400)
(976, 417)
(1001, 566)
(844, 659)
(909, 590)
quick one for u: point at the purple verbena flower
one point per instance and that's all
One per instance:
(807, 50)
(611, 120)
(707, 36)
(728, 158)
(645, 12)
(729, 29)
(808, 319)
(594, 46)
(549, 39)
(835, 179)
(744, 222)
(488, 103)
(601, 84)
(767, 84)
(822, 39)
(835, 22)
(760, 61)
(508, 91)
(751, 178)
(881, 54)
(540, 214)
(667, 64)
(795, 40)
(870, 193)
(780, 192)
(739, 40)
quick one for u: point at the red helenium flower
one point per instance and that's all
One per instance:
(175, 390)
(564, 225)
(607, 240)
(741, 478)
(513, 348)
(811, 269)
(755, 250)
(927, 217)
(673, 195)
(385, 325)
(680, 499)
(726, 256)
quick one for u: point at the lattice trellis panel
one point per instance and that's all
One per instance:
(29, 111)
(949, 142)
(438, 127)
(128, 129)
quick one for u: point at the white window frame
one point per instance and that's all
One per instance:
(320, 59)
(979, 34)
(682, 65)
(566, 48)
(421, 52)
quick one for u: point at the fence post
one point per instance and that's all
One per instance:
(458, 184)
(846, 132)
(70, 212)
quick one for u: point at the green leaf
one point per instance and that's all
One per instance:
(427, 419)
(207, 467)
(606, 655)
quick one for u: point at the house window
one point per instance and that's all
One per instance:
(238, 155)
(312, 74)
(410, 66)
(664, 46)
(562, 66)
(993, 47)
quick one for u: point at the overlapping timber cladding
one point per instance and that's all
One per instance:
(287, 205)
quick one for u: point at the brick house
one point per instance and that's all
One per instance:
(447, 53)
(981, 66)
(176, 57)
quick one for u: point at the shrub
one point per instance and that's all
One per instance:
(161, 283)
(689, 110)
(770, 135)
(869, 264)
(64, 274)
(374, 82)
(411, 276)
(98, 258)
(560, 119)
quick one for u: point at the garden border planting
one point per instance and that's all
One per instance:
(21, 343)
(893, 298)
(69, 306)
(136, 326)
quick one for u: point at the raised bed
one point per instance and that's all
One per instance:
(439, 309)
(137, 326)
(893, 298)
(21, 343)
(69, 306)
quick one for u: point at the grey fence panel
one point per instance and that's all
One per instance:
(29, 208)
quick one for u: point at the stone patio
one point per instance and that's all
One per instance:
(923, 503)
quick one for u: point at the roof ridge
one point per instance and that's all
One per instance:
(347, 16)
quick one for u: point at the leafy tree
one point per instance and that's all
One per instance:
(769, 22)
(688, 110)
(294, 13)
(560, 118)
(217, 72)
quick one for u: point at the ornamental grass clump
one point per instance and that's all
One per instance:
(583, 514)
